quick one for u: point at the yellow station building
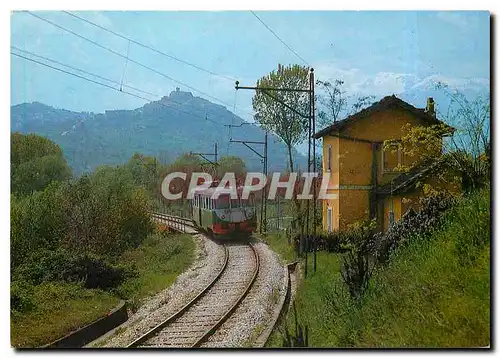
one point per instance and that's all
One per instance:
(363, 178)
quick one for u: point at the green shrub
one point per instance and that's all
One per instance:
(412, 226)
(37, 222)
(95, 272)
(35, 163)
(475, 209)
(21, 297)
(60, 265)
(433, 292)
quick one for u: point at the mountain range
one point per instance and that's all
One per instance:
(176, 124)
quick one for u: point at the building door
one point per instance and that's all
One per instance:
(329, 219)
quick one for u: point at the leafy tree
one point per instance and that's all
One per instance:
(37, 222)
(35, 162)
(231, 164)
(334, 102)
(466, 151)
(469, 147)
(273, 116)
(106, 213)
(145, 171)
(187, 163)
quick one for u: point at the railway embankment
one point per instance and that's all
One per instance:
(433, 292)
(62, 308)
(205, 266)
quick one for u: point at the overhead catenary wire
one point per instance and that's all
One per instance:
(100, 77)
(279, 38)
(82, 71)
(78, 76)
(124, 57)
(205, 117)
(149, 47)
(125, 66)
(113, 88)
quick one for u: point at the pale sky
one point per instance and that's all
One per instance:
(379, 53)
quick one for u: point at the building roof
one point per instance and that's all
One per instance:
(406, 180)
(384, 103)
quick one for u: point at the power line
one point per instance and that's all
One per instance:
(279, 38)
(100, 77)
(149, 47)
(113, 88)
(105, 85)
(81, 77)
(82, 71)
(125, 57)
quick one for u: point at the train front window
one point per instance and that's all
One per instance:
(222, 202)
(235, 203)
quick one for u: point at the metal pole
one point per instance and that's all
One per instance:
(265, 188)
(261, 210)
(309, 155)
(278, 214)
(314, 164)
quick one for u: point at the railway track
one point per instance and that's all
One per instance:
(176, 222)
(194, 323)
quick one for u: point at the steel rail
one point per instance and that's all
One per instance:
(179, 313)
(228, 314)
(173, 318)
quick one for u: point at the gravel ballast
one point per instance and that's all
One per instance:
(154, 310)
(255, 312)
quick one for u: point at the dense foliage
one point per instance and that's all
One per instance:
(34, 163)
(434, 291)
(71, 230)
(413, 225)
(273, 116)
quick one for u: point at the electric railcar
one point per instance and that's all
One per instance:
(224, 217)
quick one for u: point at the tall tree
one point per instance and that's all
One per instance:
(273, 116)
(466, 145)
(232, 164)
(35, 162)
(145, 171)
(336, 104)
(469, 147)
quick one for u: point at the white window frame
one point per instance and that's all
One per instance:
(329, 219)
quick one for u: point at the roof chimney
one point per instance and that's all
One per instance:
(430, 107)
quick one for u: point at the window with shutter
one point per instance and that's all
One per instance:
(391, 158)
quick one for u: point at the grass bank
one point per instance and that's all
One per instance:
(59, 307)
(435, 292)
(279, 243)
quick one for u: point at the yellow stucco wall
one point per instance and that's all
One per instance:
(352, 166)
(354, 206)
(381, 126)
(355, 162)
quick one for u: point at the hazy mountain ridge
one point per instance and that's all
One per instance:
(166, 128)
